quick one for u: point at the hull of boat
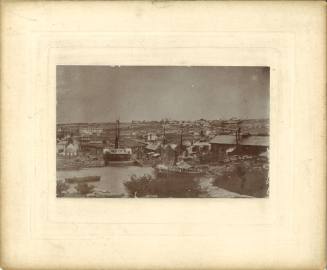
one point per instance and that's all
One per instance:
(121, 163)
(174, 174)
(82, 179)
(117, 157)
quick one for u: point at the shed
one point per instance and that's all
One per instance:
(255, 141)
(201, 147)
(224, 139)
(254, 145)
(220, 144)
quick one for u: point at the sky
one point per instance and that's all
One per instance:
(108, 93)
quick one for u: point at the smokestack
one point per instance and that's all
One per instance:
(164, 135)
(117, 135)
(181, 143)
(238, 136)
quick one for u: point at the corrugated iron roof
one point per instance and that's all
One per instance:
(224, 139)
(251, 140)
(255, 140)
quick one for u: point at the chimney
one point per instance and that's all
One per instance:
(181, 142)
(117, 135)
(238, 136)
(164, 141)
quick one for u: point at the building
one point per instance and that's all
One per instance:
(68, 148)
(254, 145)
(71, 149)
(202, 122)
(152, 137)
(90, 129)
(224, 145)
(61, 146)
(94, 147)
(233, 123)
(187, 143)
(67, 129)
(220, 144)
(201, 147)
(153, 147)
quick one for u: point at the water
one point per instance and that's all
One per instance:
(112, 178)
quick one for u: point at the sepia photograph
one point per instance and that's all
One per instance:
(162, 131)
(191, 132)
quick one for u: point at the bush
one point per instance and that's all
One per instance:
(60, 188)
(84, 188)
(244, 180)
(176, 187)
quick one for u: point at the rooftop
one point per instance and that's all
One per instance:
(251, 140)
(224, 139)
(255, 140)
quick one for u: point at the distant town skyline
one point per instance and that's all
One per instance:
(159, 120)
(99, 94)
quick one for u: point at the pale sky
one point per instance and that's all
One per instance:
(106, 93)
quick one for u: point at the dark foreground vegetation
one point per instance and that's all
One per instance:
(147, 186)
(243, 179)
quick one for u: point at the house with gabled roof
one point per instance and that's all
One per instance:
(224, 145)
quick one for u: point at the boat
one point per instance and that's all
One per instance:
(104, 195)
(117, 155)
(83, 179)
(174, 169)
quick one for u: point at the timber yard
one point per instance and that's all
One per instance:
(165, 159)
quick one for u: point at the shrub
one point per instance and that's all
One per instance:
(84, 188)
(244, 180)
(61, 187)
(176, 187)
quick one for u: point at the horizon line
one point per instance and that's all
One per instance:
(130, 121)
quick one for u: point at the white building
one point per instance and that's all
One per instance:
(151, 137)
(61, 146)
(71, 149)
(89, 130)
(67, 149)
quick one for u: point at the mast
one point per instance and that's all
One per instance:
(238, 135)
(117, 135)
(164, 135)
(176, 157)
(181, 142)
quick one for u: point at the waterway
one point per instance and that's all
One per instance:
(113, 178)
